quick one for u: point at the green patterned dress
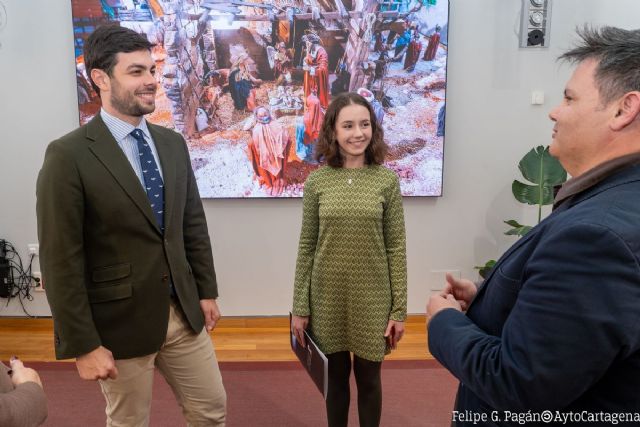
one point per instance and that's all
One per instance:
(351, 273)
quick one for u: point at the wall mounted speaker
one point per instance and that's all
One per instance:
(535, 23)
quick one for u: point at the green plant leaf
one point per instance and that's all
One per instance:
(517, 229)
(539, 167)
(483, 270)
(487, 264)
(532, 194)
(543, 173)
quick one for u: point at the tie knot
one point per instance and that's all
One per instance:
(137, 134)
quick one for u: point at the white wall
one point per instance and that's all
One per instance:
(490, 125)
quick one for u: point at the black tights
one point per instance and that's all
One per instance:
(367, 375)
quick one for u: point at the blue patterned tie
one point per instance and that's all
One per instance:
(152, 179)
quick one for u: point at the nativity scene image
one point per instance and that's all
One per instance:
(247, 83)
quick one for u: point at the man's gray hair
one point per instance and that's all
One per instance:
(618, 54)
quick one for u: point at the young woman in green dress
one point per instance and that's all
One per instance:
(351, 278)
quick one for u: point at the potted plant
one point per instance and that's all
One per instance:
(544, 173)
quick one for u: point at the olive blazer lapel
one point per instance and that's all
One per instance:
(104, 146)
(168, 164)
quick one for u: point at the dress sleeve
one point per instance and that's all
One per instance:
(395, 244)
(306, 249)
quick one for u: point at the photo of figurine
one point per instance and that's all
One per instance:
(247, 83)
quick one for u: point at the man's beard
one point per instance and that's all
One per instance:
(127, 103)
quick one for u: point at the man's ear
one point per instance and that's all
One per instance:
(628, 111)
(101, 79)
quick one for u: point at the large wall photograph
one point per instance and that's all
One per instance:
(247, 83)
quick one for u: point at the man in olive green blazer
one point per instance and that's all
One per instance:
(130, 287)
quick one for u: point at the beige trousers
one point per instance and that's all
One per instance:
(189, 365)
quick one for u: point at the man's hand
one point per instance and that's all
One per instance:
(394, 333)
(462, 290)
(298, 325)
(211, 313)
(97, 365)
(437, 303)
(20, 374)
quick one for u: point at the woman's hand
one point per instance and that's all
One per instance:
(20, 374)
(298, 325)
(394, 333)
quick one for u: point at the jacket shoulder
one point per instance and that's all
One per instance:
(165, 132)
(75, 138)
(70, 145)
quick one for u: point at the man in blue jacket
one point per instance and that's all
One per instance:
(553, 334)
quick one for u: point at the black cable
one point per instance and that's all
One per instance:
(20, 280)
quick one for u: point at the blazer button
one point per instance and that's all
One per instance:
(165, 277)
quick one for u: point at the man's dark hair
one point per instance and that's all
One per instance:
(327, 148)
(105, 43)
(618, 54)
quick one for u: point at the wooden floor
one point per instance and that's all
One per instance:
(235, 338)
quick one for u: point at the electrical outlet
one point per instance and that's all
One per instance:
(438, 278)
(38, 285)
(34, 249)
